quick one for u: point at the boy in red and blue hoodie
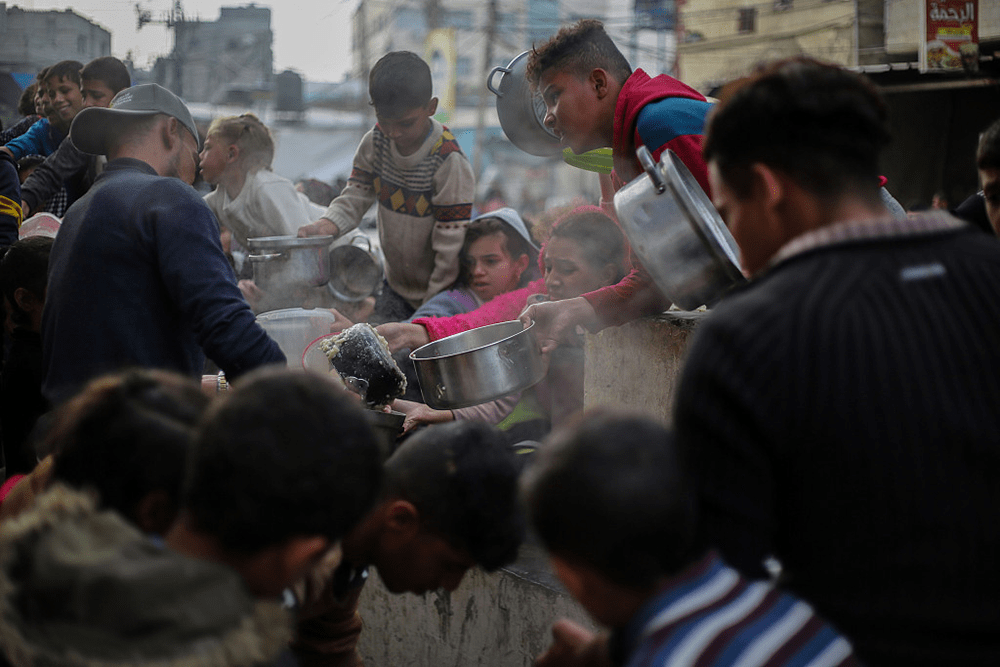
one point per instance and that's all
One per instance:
(594, 99)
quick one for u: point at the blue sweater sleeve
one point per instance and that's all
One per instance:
(201, 282)
(31, 142)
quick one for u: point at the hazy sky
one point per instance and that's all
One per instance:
(312, 37)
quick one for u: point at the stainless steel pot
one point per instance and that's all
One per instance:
(387, 427)
(280, 262)
(677, 233)
(521, 111)
(355, 272)
(478, 365)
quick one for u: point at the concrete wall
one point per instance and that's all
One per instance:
(504, 619)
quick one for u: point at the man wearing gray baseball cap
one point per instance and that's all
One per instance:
(137, 273)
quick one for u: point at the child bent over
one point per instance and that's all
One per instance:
(413, 167)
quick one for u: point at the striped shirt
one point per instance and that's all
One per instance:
(710, 615)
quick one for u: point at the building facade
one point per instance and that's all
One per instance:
(31, 40)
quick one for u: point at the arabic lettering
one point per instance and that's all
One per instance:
(967, 14)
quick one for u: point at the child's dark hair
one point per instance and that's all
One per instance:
(26, 103)
(600, 238)
(65, 69)
(399, 81)
(988, 152)
(580, 49)
(25, 265)
(109, 70)
(462, 478)
(29, 162)
(284, 454)
(816, 122)
(608, 490)
(126, 436)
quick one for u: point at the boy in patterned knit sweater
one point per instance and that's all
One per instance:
(413, 167)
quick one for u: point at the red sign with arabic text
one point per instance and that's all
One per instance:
(951, 35)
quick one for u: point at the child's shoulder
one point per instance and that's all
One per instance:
(446, 144)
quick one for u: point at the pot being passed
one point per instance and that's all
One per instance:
(280, 262)
(521, 111)
(677, 234)
(355, 271)
(478, 366)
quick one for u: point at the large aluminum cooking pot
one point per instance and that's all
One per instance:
(478, 365)
(355, 271)
(280, 262)
(677, 233)
(521, 110)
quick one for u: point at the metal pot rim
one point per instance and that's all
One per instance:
(414, 354)
(288, 241)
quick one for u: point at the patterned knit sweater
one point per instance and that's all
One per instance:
(424, 204)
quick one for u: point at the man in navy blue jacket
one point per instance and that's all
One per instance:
(137, 273)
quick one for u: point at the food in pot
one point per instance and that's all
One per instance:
(361, 356)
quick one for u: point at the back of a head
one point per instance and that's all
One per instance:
(126, 436)
(462, 478)
(66, 69)
(988, 151)
(580, 49)
(249, 133)
(608, 490)
(601, 239)
(285, 454)
(817, 123)
(109, 70)
(26, 265)
(399, 82)
(26, 103)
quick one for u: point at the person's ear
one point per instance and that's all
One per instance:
(768, 185)
(401, 519)
(234, 154)
(25, 299)
(599, 80)
(170, 132)
(432, 106)
(521, 265)
(572, 577)
(609, 273)
(299, 554)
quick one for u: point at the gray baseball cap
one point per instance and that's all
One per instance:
(92, 127)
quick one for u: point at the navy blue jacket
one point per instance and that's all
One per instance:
(137, 277)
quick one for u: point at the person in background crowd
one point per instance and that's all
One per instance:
(839, 411)
(449, 502)
(23, 277)
(26, 167)
(988, 163)
(100, 80)
(414, 168)
(615, 507)
(29, 107)
(249, 199)
(138, 276)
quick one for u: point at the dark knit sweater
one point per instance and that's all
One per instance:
(843, 413)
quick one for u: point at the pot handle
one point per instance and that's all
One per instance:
(489, 80)
(368, 242)
(265, 258)
(652, 169)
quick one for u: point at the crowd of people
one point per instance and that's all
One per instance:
(826, 494)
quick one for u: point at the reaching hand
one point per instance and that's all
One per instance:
(321, 227)
(574, 646)
(403, 335)
(418, 413)
(556, 322)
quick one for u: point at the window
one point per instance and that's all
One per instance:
(411, 19)
(748, 20)
(461, 19)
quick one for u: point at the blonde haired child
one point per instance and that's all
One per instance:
(249, 199)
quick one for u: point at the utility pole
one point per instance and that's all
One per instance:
(433, 11)
(175, 20)
(491, 31)
(366, 121)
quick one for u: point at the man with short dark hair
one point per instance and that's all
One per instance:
(988, 163)
(138, 274)
(449, 502)
(840, 411)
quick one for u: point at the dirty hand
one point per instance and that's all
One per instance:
(322, 227)
(418, 413)
(340, 321)
(403, 335)
(251, 292)
(556, 322)
(574, 646)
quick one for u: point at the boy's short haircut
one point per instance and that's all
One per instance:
(43, 74)
(66, 69)
(284, 454)
(126, 436)
(462, 478)
(988, 152)
(25, 265)
(109, 70)
(29, 162)
(818, 123)
(26, 103)
(608, 491)
(399, 82)
(580, 49)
